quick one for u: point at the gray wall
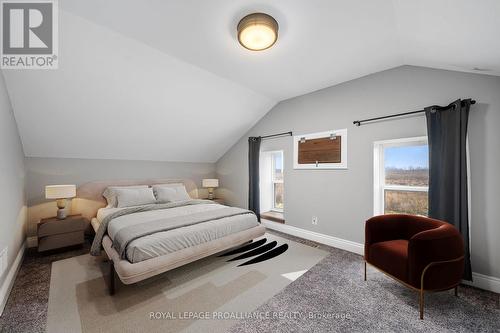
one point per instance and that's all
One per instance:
(45, 171)
(343, 199)
(12, 179)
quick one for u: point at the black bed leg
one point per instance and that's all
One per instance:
(111, 284)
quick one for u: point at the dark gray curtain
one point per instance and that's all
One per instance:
(448, 200)
(253, 177)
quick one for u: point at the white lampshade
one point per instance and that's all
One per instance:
(60, 191)
(210, 183)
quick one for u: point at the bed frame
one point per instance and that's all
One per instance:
(130, 273)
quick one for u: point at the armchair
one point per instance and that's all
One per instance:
(423, 254)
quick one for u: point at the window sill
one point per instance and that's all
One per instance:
(273, 216)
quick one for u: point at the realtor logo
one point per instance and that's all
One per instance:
(29, 34)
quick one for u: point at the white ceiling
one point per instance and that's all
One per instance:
(450, 34)
(167, 80)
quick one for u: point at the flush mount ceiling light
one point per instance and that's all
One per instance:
(257, 31)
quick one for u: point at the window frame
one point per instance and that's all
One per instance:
(379, 186)
(275, 181)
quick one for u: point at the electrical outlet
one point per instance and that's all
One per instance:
(314, 220)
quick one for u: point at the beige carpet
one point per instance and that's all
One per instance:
(209, 295)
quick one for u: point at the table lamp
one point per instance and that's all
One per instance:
(210, 184)
(61, 193)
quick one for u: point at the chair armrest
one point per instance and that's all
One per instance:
(383, 228)
(439, 252)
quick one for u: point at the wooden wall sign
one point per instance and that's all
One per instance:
(322, 150)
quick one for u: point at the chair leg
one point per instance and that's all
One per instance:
(456, 291)
(111, 284)
(365, 270)
(421, 303)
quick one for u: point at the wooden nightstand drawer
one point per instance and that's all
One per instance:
(54, 234)
(60, 227)
(61, 240)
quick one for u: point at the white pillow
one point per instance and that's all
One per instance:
(171, 193)
(128, 197)
(110, 193)
(155, 186)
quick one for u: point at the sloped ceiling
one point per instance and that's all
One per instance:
(167, 80)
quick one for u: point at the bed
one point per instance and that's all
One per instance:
(146, 240)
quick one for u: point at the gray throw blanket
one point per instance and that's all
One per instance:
(126, 235)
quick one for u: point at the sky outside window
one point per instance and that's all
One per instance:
(406, 157)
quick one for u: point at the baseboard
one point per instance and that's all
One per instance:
(339, 243)
(480, 281)
(11, 277)
(485, 282)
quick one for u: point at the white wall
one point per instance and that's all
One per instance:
(343, 199)
(12, 179)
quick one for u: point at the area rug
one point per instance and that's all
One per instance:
(209, 295)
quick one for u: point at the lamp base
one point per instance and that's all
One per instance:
(62, 214)
(210, 194)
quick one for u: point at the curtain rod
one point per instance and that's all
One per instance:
(276, 135)
(358, 122)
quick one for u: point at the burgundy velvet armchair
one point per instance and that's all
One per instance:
(422, 253)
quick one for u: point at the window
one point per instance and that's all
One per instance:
(401, 174)
(277, 180)
(271, 184)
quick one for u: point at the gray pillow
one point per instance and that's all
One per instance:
(171, 193)
(110, 193)
(128, 197)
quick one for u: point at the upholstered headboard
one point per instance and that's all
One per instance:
(89, 195)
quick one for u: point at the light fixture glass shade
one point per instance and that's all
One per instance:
(60, 191)
(257, 31)
(210, 183)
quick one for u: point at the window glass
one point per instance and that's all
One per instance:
(278, 195)
(277, 180)
(407, 165)
(405, 202)
(278, 166)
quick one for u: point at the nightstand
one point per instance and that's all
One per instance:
(54, 234)
(218, 200)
